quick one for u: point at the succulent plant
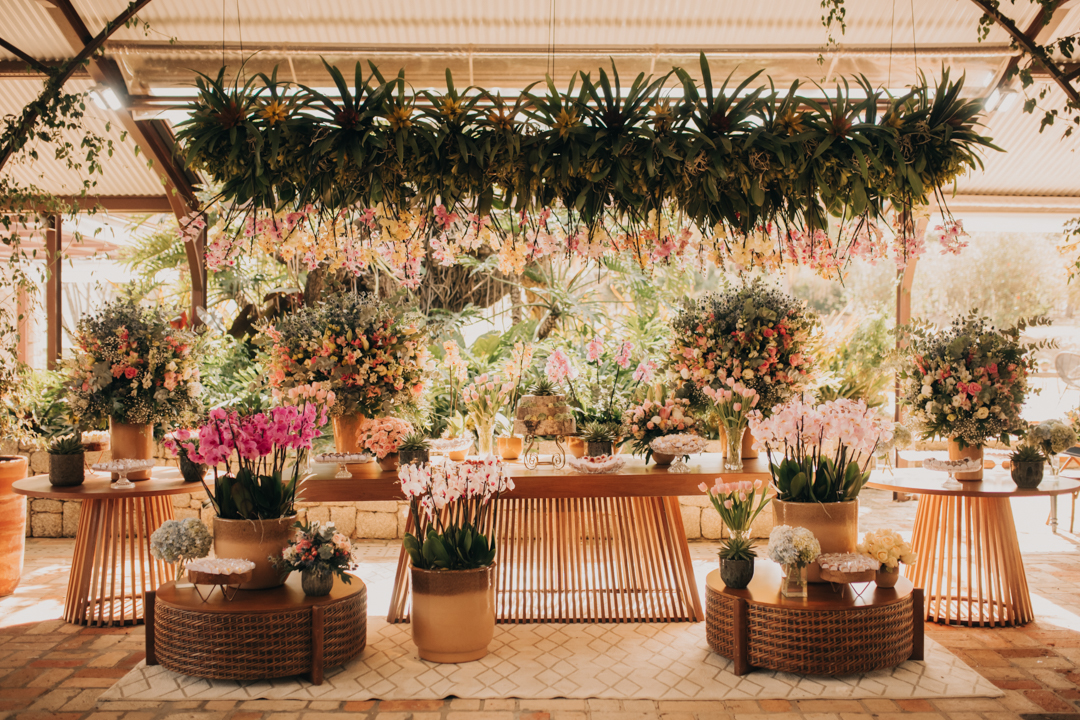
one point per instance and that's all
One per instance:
(600, 432)
(543, 387)
(66, 445)
(737, 549)
(413, 442)
(1027, 453)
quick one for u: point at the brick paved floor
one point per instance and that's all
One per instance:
(49, 669)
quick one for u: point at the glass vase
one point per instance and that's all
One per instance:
(733, 434)
(485, 442)
(794, 583)
(1054, 461)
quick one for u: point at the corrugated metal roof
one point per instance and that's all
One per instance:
(125, 173)
(27, 26)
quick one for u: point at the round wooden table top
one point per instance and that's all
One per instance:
(995, 483)
(163, 481)
(289, 596)
(764, 589)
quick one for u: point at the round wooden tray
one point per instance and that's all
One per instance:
(833, 631)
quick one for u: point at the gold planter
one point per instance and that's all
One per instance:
(257, 541)
(390, 463)
(12, 523)
(662, 459)
(510, 447)
(453, 613)
(131, 442)
(976, 451)
(576, 446)
(346, 428)
(887, 578)
(835, 525)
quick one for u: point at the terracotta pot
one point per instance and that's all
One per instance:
(257, 541)
(453, 613)
(12, 523)
(747, 443)
(510, 447)
(955, 453)
(887, 578)
(1027, 475)
(390, 463)
(458, 455)
(135, 442)
(346, 428)
(576, 446)
(835, 525)
(662, 459)
(67, 470)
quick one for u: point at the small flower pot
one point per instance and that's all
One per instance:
(576, 446)
(413, 457)
(390, 463)
(736, 574)
(595, 449)
(510, 447)
(886, 578)
(67, 470)
(662, 458)
(317, 581)
(191, 471)
(1027, 475)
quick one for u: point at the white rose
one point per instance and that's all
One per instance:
(982, 413)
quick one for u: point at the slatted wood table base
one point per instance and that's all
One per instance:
(969, 561)
(589, 559)
(112, 567)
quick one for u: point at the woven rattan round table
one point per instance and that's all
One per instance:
(833, 631)
(257, 634)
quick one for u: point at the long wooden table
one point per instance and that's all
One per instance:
(574, 547)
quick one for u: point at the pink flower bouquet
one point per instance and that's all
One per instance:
(651, 420)
(382, 436)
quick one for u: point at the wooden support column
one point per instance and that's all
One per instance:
(23, 310)
(54, 296)
(905, 279)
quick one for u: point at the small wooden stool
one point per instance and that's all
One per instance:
(259, 634)
(830, 632)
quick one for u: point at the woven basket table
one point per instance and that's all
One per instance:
(833, 631)
(259, 634)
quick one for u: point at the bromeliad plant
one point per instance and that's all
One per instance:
(453, 508)
(255, 449)
(824, 448)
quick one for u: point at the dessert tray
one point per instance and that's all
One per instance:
(596, 465)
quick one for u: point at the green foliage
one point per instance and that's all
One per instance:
(67, 445)
(247, 496)
(232, 378)
(818, 480)
(1027, 453)
(458, 548)
(854, 358)
(737, 548)
(413, 442)
(542, 387)
(600, 432)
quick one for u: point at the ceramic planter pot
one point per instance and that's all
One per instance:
(12, 523)
(67, 470)
(576, 446)
(191, 471)
(736, 574)
(134, 442)
(390, 463)
(346, 428)
(595, 449)
(886, 578)
(413, 457)
(1027, 475)
(835, 525)
(510, 447)
(257, 541)
(317, 581)
(662, 458)
(453, 613)
(956, 453)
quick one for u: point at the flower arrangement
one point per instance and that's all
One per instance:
(1052, 436)
(179, 541)
(737, 503)
(793, 546)
(484, 398)
(887, 548)
(605, 386)
(734, 402)
(823, 448)
(260, 445)
(372, 360)
(652, 419)
(382, 436)
(754, 334)
(968, 382)
(467, 491)
(317, 546)
(129, 364)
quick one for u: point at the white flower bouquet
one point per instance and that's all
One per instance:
(793, 546)
(887, 548)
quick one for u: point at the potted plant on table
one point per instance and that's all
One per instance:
(255, 497)
(67, 461)
(484, 398)
(734, 402)
(816, 458)
(650, 420)
(968, 383)
(889, 549)
(1026, 466)
(176, 443)
(599, 439)
(383, 438)
(1053, 437)
(319, 552)
(510, 443)
(738, 504)
(413, 449)
(132, 368)
(453, 508)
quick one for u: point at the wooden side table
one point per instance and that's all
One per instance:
(969, 558)
(112, 567)
(833, 631)
(257, 635)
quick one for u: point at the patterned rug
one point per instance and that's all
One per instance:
(649, 661)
